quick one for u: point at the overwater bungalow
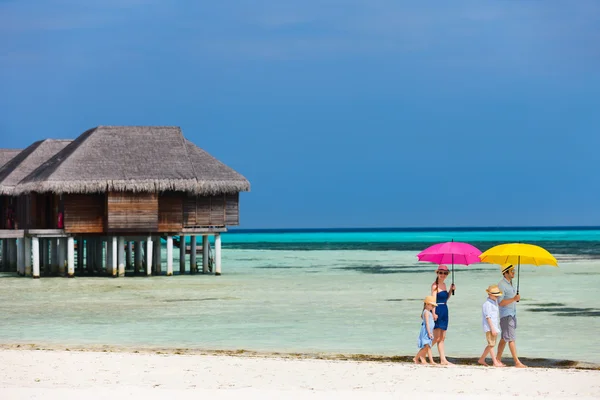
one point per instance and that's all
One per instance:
(20, 212)
(116, 193)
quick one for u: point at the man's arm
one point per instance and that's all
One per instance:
(506, 302)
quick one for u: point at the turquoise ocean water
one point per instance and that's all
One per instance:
(335, 291)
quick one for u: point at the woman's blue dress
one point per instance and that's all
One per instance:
(441, 310)
(423, 336)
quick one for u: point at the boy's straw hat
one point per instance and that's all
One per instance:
(506, 267)
(494, 290)
(430, 300)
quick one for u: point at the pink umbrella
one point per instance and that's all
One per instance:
(451, 252)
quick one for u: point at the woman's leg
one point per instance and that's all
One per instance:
(437, 335)
(442, 348)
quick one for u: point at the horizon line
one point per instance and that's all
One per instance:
(430, 228)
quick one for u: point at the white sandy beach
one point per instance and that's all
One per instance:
(60, 374)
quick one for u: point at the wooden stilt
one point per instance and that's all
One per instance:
(70, 257)
(35, 256)
(109, 257)
(138, 257)
(27, 250)
(80, 251)
(149, 251)
(157, 256)
(114, 250)
(205, 254)
(54, 256)
(128, 256)
(193, 268)
(182, 247)
(99, 256)
(121, 255)
(88, 255)
(217, 254)
(13, 255)
(45, 255)
(169, 255)
(20, 258)
(62, 248)
(3, 254)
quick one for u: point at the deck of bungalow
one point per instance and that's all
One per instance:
(103, 203)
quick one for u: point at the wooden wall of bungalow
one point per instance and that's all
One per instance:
(131, 213)
(31, 211)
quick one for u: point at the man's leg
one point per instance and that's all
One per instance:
(501, 347)
(513, 350)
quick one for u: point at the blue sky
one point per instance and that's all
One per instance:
(349, 113)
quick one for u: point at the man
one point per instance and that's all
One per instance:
(508, 314)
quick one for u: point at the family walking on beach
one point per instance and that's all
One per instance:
(498, 316)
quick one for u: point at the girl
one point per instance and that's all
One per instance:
(442, 295)
(426, 334)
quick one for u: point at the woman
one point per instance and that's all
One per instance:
(442, 295)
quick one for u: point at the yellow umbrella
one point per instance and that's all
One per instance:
(518, 253)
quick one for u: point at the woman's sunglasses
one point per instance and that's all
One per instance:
(442, 272)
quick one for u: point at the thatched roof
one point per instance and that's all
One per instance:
(26, 161)
(7, 154)
(133, 158)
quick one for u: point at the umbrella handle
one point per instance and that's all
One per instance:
(453, 291)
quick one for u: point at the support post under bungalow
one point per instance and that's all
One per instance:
(70, 257)
(54, 256)
(157, 255)
(149, 251)
(62, 250)
(182, 248)
(43, 244)
(114, 244)
(20, 257)
(129, 254)
(138, 257)
(80, 251)
(27, 241)
(218, 254)
(99, 256)
(193, 254)
(13, 255)
(88, 255)
(3, 254)
(35, 256)
(121, 256)
(205, 253)
(169, 255)
(109, 256)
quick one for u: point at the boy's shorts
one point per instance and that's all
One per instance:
(491, 339)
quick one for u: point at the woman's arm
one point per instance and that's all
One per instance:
(452, 287)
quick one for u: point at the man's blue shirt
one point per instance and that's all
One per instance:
(508, 292)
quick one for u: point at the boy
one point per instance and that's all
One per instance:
(491, 324)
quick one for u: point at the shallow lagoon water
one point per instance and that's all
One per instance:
(337, 301)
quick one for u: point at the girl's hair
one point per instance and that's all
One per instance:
(424, 308)
(436, 282)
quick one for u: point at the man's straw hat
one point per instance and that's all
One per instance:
(506, 267)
